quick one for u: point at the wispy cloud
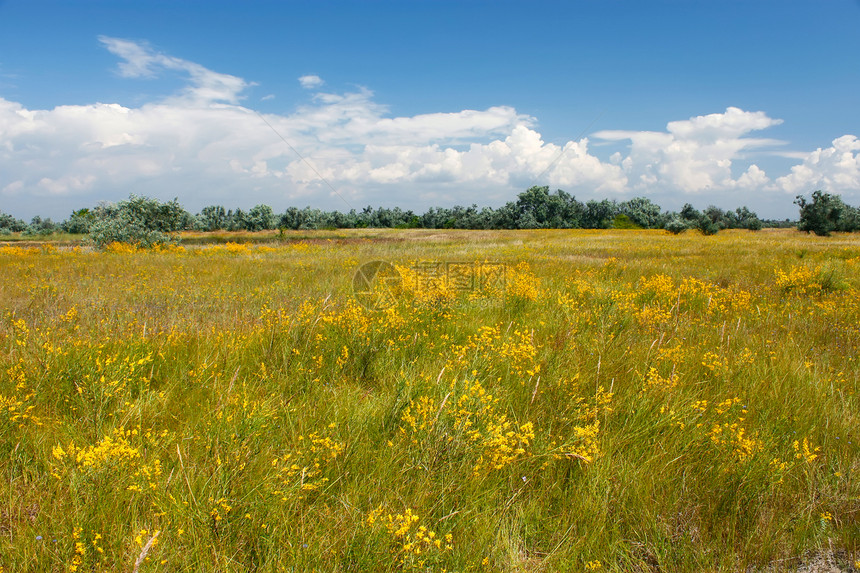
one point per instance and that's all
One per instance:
(205, 86)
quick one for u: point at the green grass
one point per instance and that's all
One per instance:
(55, 238)
(625, 400)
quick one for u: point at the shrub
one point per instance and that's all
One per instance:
(79, 222)
(39, 226)
(11, 224)
(623, 222)
(707, 226)
(643, 212)
(676, 225)
(138, 220)
(743, 218)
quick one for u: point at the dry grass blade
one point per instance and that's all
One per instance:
(145, 551)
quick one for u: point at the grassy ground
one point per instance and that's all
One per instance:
(558, 401)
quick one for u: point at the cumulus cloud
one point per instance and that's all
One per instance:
(836, 168)
(203, 146)
(753, 178)
(311, 82)
(695, 155)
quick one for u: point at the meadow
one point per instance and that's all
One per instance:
(514, 401)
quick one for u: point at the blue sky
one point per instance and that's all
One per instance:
(427, 103)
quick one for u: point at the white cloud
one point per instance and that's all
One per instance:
(12, 188)
(205, 86)
(311, 82)
(835, 169)
(694, 155)
(204, 147)
(753, 178)
(66, 183)
(732, 124)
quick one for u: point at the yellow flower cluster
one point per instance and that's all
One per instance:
(804, 451)
(122, 248)
(719, 300)
(146, 477)
(730, 435)
(800, 280)
(80, 551)
(20, 251)
(733, 436)
(499, 440)
(113, 450)
(714, 362)
(232, 248)
(170, 248)
(419, 416)
(18, 409)
(583, 444)
(427, 284)
(514, 351)
(654, 381)
(410, 537)
(477, 418)
(303, 470)
(221, 508)
(660, 286)
(521, 283)
(654, 318)
(579, 439)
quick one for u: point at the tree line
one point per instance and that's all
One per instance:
(147, 221)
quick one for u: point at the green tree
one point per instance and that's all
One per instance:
(260, 218)
(213, 218)
(850, 219)
(138, 220)
(598, 214)
(9, 224)
(822, 214)
(743, 218)
(643, 212)
(720, 219)
(79, 222)
(537, 208)
(690, 214)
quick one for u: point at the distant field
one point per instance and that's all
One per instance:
(510, 401)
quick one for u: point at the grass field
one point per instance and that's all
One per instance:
(557, 401)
